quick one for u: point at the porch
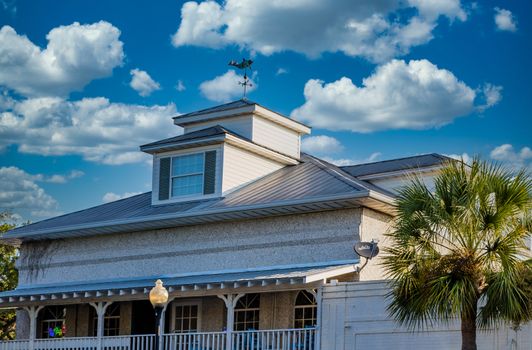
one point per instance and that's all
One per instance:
(283, 339)
(248, 310)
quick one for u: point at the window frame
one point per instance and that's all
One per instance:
(62, 321)
(245, 310)
(172, 177)
(190, 302)
(107, 320)
(303, 307)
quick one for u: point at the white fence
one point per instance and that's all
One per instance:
(282, 339)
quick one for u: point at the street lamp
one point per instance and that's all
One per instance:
(158, 298)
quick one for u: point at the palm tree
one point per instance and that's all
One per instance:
(457, 251)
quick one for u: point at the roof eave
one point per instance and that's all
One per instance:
(372, 199)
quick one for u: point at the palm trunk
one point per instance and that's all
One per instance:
(469, 327)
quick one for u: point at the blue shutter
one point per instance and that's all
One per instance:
(209, 175)
(164, 178)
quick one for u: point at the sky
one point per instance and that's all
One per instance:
(84, 83)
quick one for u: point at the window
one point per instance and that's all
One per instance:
(186, 316)
(247, 313)
(187, 175)
(305, 310)
(111, 321)
(53, 317)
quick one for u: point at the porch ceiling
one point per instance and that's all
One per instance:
(184, 285)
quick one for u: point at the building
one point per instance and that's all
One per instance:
(244, 229)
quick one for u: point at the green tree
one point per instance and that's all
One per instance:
(458, 251)
(8, 278)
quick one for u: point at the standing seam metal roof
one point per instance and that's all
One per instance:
(310, 179)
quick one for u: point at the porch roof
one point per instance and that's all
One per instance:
(216, 282)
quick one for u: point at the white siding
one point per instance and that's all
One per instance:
(240, 167)
(374, 225)
(242, 126)
(276, 137)
(393, 184)
(354, 316)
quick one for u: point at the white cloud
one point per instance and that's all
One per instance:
(505, 20)
(491, 95)
(398, 95)
(348, 161)
(506, 154)
(364, 28)
(281, 71)
(75, 55)
(19, 193)
(321, 144)
(464, 157)
(142, 83)
(111, 196)
(180, 86)
(225, 87)
(94, 128)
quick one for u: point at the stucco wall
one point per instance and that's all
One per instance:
(295, 239)
(374, 226)
(354, 317)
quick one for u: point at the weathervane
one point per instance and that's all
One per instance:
(244, 65)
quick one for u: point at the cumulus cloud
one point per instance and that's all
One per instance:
(505, 20)
(464, 157)
(506, 154)
(224, 87)
(352, 161)
(111, 196)
(281, 71)
(75, 55)
(142, 83)
(20, 194)
(180, 86)
(321, 144)
(94, 128)
(365, 28)
(398, 95)
(491, 94)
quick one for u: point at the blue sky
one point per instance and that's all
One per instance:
(84, 83)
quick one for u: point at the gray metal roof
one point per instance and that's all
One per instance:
(195, 135)
(312, 185)
(421, 161)
(219, 108)
(214, 280)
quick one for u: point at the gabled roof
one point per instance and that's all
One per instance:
(399, 164)
(312, 185)
(195, 135)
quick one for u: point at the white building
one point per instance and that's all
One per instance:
(252, 238)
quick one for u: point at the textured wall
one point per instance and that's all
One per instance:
(295, 239)
(374, 225)
(354, 317)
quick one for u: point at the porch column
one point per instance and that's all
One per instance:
(100, 308)
(230, 301)
(33, 312)
(318, 295)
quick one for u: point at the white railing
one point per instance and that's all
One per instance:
(14, 345)
(195, 341)
(282, 339)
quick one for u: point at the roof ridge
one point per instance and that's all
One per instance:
(397, 159)
(337, 172)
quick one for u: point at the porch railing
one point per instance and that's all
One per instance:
(282, 339)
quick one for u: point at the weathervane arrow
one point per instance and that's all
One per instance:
(244, 65)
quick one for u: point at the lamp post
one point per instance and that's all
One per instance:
(158, 298)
